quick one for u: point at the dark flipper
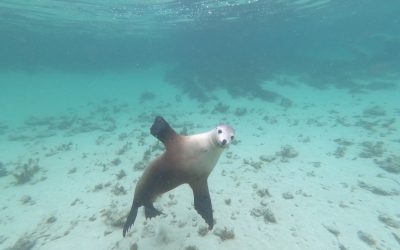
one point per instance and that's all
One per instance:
(150, 211)
(131, 219)
(161, 130)
(202, 201)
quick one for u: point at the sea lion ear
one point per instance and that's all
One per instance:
(161, 130)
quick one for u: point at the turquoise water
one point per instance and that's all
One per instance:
(310, 86)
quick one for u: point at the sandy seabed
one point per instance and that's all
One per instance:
(323, 173)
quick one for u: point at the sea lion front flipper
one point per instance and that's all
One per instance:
(202, 201)
(162, 130)
(150, 211)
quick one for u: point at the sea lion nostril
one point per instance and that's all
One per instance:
(223, 142)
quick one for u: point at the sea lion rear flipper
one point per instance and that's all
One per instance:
(150, 211)
(202, 201)
(161, 130)
(131, 218)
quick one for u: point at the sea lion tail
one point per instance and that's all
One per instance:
(162, 130)
(131, 218)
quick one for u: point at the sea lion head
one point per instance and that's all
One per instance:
(223, 135)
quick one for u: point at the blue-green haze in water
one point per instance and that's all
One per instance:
(234, 45)
(311, 87)
(298, 37)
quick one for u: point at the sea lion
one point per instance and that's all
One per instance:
(187, 159)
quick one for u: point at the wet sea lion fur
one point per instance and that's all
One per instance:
(187, 159)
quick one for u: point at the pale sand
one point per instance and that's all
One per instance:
(327, 197)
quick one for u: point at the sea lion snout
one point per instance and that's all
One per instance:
(225, 135)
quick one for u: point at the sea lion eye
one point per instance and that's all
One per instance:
(232, 137)
(219, 131)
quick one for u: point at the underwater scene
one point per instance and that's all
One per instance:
(194, 125)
